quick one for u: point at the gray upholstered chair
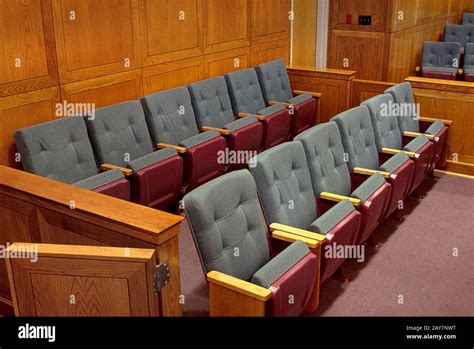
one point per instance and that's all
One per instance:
(213, 110)
(171, 121)
(286, 192)
(120, 139)
(232, 239)
(461, 34)
(469, 63)
(276, 88)
(468, 18)
(412, 125)
(61, 150)
(440, 60)
(247, 100)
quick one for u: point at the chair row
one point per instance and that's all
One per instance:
(331, 186)
(467, 18)
(173, 141)
(443, 60)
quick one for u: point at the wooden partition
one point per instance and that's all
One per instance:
(335, 86)
(105, 52)
(390, 48)
(34, 209)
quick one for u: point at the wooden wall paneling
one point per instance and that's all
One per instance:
(375, 8)
(104, 281)
(170, 30)
(23, 110)
(362, 90)
(28, 52)
(105, 90)
(304, 32)
(441, 9)
(270, 20)
(226, 25)
(364, 51)
(424, 11)
(400, 61)
(172, 74)
(269, 51)
(223, 62)
(335, 86)
(96, 40)
(403, 14)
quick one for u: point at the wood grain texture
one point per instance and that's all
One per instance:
(271, 26)
(268, 51)
(226, 62)
(335, 86)
(226, 302)
(304, 32)
(375, 8)
(82, 281)
(28, 58)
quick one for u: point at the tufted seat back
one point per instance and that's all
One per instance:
(403, 95)
(228, 225)
(441, 56)
(461, 34)
(274, 81)
(245, 92)
(119, 133)
(358, 137)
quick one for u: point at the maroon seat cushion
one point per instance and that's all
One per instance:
(304, 116)
(244, 141)
(119, 188)
(276, 128)
(438, 74)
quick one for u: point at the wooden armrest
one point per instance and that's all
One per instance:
(396, 151)
(259, 117)
(416, 134)
(425, 119)
(179, 149)
(288, 237)
(108, 167)
(288, 105)
(313, 94)
(418, 71)
(222, 131)
(370, 172)
(240, 286)
(461, 71)
(336, 197)
(295, 231)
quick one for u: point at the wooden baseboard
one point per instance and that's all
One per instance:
(6, 307)
(459, 167)
(454, 174)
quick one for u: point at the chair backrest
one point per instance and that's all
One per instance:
(170, 116)
(119, 133)
(58, 149)
(358, 137)
(443, 56)
(228, 225)
(325, 156)
(245, 92)
(384, 118)
(284, 185)
(469, 58)
(274, 81)
(403, 95)
(458, 33)
(468, 18)
(211, 102)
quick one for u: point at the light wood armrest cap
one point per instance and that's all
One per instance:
(179, 149)
(426, 119)
(417, 134)
(396, 151)
(222, 131)
(288, 237)
(299, 232)
(288, 105)
(301, 92)
(240, 286)
(108, 167)
(337, 198)
(259, 117)
(370, 172)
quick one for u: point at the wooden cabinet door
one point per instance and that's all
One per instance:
(67, 280)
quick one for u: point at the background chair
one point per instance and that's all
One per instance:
(285, 190)
(247, 100)
(468, 68)
(468, 18)
(413, 125)
(61, 150)
(171, 121)
(120, 138)
(213, 110)
(440, 60)
(233, 243)
(276, 88)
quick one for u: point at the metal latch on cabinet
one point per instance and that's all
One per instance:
(161, 276)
